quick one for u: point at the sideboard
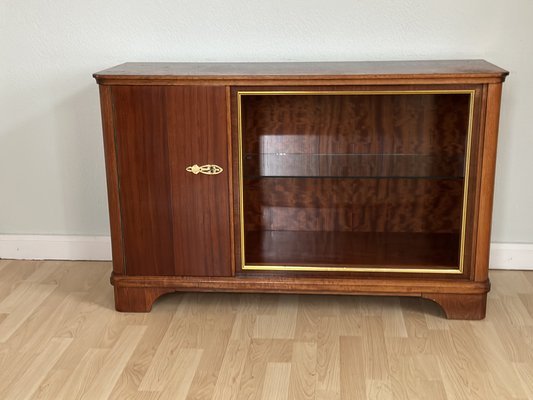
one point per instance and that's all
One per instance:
(326, 177)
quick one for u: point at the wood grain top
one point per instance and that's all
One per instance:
(365, 70)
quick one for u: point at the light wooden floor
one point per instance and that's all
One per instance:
(61, 339)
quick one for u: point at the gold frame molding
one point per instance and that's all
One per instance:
(352, 268)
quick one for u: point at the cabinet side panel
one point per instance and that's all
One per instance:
(197, 134)
(144, 179)
(106, 106)
(487, 181)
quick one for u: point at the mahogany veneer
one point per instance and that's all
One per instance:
(376, 249)
(347, 177)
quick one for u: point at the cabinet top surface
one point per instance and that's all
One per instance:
(304, 70)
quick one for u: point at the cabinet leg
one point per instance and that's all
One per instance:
(132, 299)
(460, 306)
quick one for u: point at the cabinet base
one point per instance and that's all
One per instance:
(460, 306)
(459, 299)
(138, 299)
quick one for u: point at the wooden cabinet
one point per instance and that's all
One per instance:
(350, 178)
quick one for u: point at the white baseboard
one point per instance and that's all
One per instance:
(55, 247)
(511, 256)
(52, 247)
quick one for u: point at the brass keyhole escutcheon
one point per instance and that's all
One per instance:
(208, 169)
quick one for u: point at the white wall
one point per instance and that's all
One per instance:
(52, 177)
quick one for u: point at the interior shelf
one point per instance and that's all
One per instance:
(292, 165)
(363, 249)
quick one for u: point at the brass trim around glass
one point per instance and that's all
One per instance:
(208, 169)
(355, 268)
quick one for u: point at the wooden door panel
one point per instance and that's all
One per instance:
(174, 222)
(197, 122)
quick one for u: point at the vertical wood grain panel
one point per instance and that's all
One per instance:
(488, 170)
(230, 177)
(106, 107)
(177, 222)
(196, 118)
(144, 179)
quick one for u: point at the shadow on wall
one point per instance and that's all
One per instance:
(52, 169)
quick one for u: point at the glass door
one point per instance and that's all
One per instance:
(369, 181)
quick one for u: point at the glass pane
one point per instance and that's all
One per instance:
(354, 180)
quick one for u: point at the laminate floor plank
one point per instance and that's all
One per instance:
(15, 297)
(183, 372)
(501, 377)
(79, 380)
(51, 386)
(62, 339)
(44, 323)
(392, 319)
(458, 380)
(510, 336)
(525, 372)
(378, 390)
(350, 317)
(328, 359)
(302, 383)
(307, 318)
(157, 374)
(415, 377)
(41, 275)
(376, 362)
(281, 325)
(209, 367)
(243, 327)
(20, 312)
(26, 384)
(5, 290)
(19, 270)
(157, 324)
(3, 263)
(352, 368)
(260, 353)
(527, 301)
(507, 283)
(525, 274)
(276, 381)
(114, 362)
(229, 378)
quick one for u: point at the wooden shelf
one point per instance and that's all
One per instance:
(361, 249)
(291, 165)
